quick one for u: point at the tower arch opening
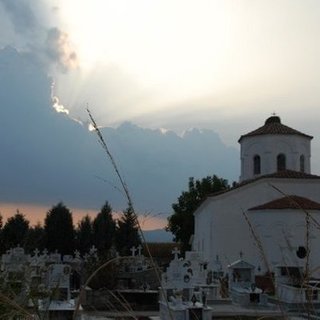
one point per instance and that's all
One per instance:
(256, 164)
(281, 162)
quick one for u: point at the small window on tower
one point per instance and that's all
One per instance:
(256, 165)
(281, 162)
(302, 163)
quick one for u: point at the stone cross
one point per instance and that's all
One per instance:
(36, 252)
(93, 251)
(77, 254)
(86, 257)
(139, 250)
(176, 253)
(133, 251)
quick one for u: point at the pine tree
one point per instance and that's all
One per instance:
(59, 230)
(104, 229)
(35, 238)
(14, 231)
(84, 235)
(1, 235)
(127, 234)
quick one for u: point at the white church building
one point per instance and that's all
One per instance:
(271, 217)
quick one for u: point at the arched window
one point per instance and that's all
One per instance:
(302, 163)
(281, 162)
(256, 164)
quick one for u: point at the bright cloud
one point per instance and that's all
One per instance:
(147, 60)
(174, 63)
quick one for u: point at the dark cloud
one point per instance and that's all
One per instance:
(46, 158)
(50, 45)
(22, 16)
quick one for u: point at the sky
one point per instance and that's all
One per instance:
(164, 64)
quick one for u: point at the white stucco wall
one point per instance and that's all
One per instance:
(221, 229)
(268, 147)
(281, 233)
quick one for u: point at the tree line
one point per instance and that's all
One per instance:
(58, 232)
(105, 232)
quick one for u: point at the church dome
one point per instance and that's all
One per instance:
(273, 125)
(274, 147)
(273, 119)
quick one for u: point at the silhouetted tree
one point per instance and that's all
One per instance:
(14, 231)
(127, 233)
(1, 242)
(59, 230)
(35, 238)
(181, 222)
(84, 234)
(104, 229)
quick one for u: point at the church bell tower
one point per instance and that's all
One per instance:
(272, 148)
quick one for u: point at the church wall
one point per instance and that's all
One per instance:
(221, 228)
(282, 232)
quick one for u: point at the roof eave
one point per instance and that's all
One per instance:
(273, 134)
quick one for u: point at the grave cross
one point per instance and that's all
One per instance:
(77, 254)
(93, 252)
(133, 251)
(176, 253)
(139, 249)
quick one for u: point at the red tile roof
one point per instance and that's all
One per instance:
(285, 174)
(289, 202)
(273, 125)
